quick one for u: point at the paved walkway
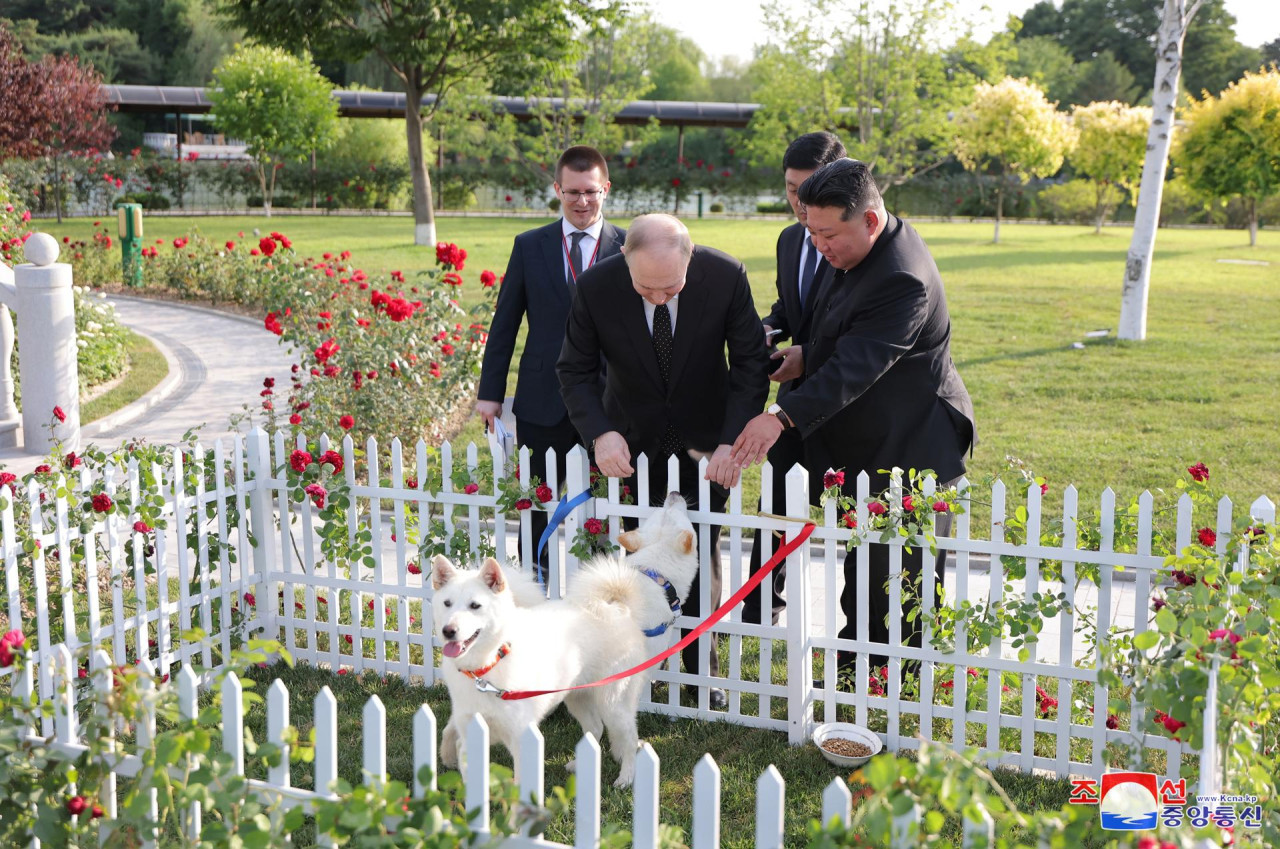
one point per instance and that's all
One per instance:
(217, 362)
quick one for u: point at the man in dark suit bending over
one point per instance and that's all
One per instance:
(802, 274)
(664, 315)
(880, 389)
(540, 282)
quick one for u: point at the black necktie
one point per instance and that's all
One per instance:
(806, 273)
(575, 256)
(663, 341)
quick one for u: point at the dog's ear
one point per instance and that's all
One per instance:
(492, 575)
(630, 541)
(687, 540)
(442, 571)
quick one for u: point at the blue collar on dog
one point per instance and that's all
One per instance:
(672, 599)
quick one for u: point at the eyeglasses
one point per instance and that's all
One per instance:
(574, 196)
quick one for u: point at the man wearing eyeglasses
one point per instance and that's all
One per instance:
(540, 283)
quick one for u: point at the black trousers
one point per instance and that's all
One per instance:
(878, 595)
(784, 454)
(689, 482)
(538, 438)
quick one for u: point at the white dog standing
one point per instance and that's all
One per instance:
(488, 636)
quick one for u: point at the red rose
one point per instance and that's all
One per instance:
(76, 805)
(333, 458)
(908, 503)
(399, 309)
(1172, 725)
(488, 278)
(8, 478)
(876, 508)
(1157, 603)
(267, 246)
(1113, 721)
(1207, 537)
(850, 519)
(453, 279)
(97, 812)
(9, 643)
(327, 349)
(471, 488)
(832, 478)
(299, 460)
(414, 568)
(941, 507)
(523, 504)
(347, 422)
(231, 246)
(675, 181)
(593, 526)
(59, 415)
(317, 493)
(1186, 579)
(1225, 634)
(543, 493)
(250, 600)
(1199, 472)
(101, 502)
(295, 419)
(141, 527)
(1044, 487)
(71, 460)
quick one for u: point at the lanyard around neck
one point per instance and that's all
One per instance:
(569, 260)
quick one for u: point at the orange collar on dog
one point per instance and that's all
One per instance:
(503, 651)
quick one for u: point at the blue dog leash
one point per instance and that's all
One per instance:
(562, 511)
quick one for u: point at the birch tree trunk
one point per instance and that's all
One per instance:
(1174, 20)
(424, 220)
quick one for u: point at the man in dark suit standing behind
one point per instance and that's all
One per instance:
(880, 389)
(540, 282)
(802, 274)
(663, 316)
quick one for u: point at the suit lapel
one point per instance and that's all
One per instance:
(610, 241)
(693, 300)
(636, 328)
(553, 253)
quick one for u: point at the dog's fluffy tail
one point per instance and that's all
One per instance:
(608, 588)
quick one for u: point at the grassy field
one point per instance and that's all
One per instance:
(147, 367)
(1202, 388)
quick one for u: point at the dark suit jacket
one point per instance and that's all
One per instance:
(880, 388)
(787, 314)
(534, 285)
(708, 399)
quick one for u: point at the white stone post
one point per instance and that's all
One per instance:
(41, 295)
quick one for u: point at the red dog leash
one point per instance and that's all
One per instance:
(788, 546)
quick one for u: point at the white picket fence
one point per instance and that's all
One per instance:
(377, 616)
(59, 676)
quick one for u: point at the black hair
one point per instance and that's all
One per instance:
(812, 150)
(582, 158)
(846, 184)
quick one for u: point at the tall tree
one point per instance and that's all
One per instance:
(1174, 20)
(278, 104)
(1113, 138)
(1048, 64)
(1102, 78)
(873, 74)
(1012, 131)
(52, 108)
(430, 45)
(1231, 143)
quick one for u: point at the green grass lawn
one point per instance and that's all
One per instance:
(1203, 387)
(147, 367)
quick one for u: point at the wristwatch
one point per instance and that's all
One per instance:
(780, 414)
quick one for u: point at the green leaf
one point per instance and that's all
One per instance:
(1146, 640)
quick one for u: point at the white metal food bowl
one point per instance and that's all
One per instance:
(848, 731)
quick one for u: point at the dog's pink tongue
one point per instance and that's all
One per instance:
(452, 649)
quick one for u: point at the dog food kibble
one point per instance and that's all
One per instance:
(848, 748)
